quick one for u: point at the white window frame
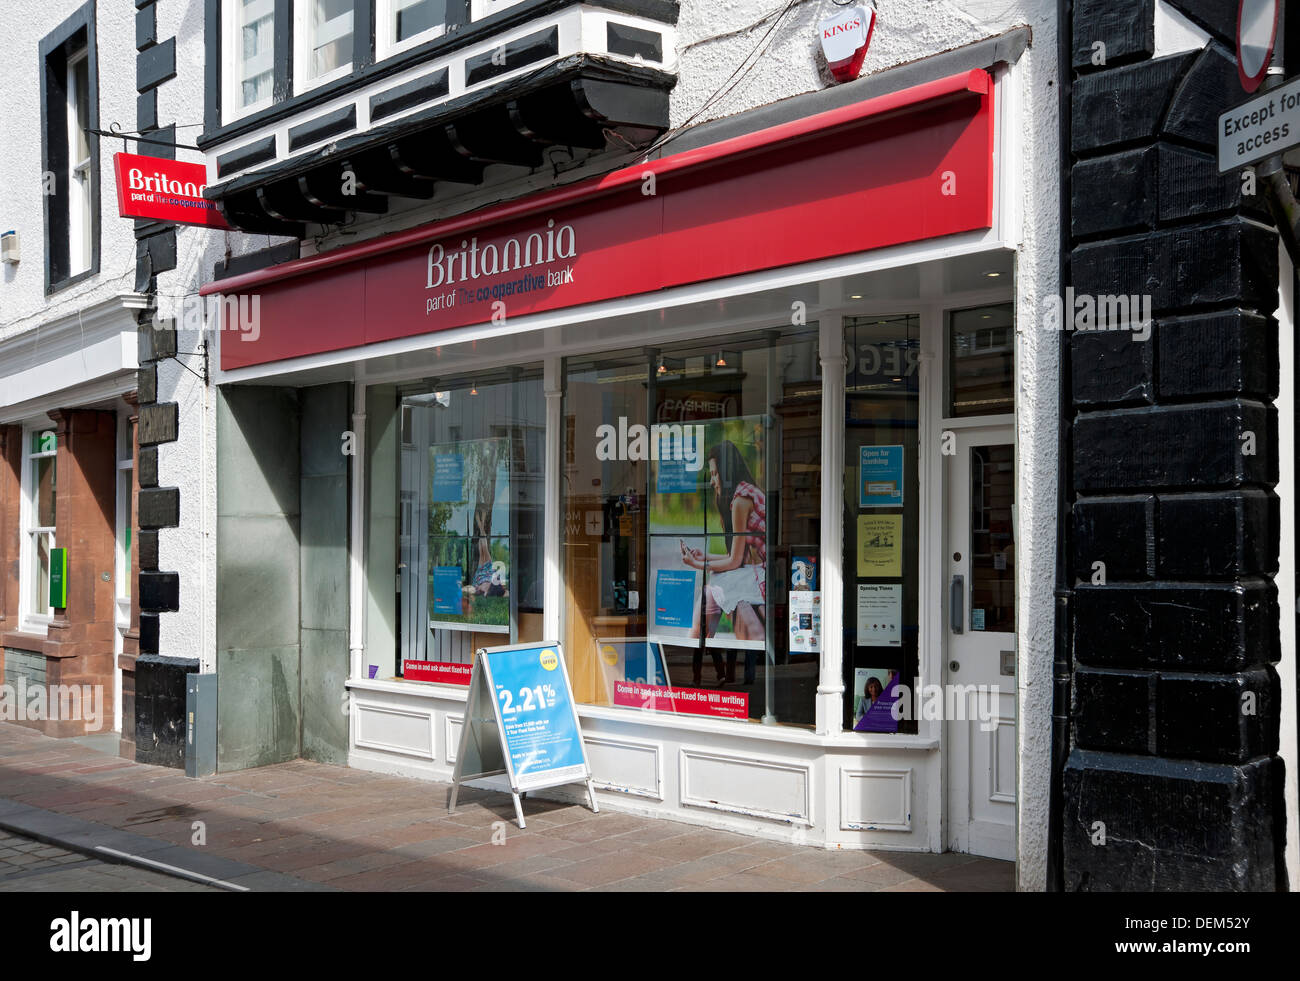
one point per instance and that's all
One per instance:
(302, 49)
(30, 621)
(80, 186)
(121, 564)
(232, 83)
(386, 43)
(121, 560)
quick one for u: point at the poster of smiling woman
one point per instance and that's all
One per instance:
(469, 535)
(708, 537)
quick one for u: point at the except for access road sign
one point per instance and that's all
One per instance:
(1256, 34)
(1267, 124)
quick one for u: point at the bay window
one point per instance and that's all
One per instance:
(251, 60)
(402, 24)
(325, 32)
(272, 51)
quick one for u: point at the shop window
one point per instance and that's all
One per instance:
(881, 524)
(69, 110)
(324, 33)
(39, 487)
(692, 502)
(470, 504)
(981, 361)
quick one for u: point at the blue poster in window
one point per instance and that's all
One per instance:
(676, 477)
(674, 598)
(803, 573)
(446, 589)
(643, 662)
(880, 477)
(538, 720)
(448, 478)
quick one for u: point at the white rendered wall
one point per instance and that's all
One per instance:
(188, 463)
(23, 304)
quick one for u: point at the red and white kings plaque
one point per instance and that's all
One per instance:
(845, 38)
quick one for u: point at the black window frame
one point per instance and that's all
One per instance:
(71, 36)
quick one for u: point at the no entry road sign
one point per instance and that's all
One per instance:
(1256, 34)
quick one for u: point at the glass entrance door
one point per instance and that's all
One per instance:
(981, 666)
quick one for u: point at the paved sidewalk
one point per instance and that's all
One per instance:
(27, 865)
(312, 826)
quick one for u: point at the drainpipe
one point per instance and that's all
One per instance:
(356, 569)
(1277, 189)
(1061, 662)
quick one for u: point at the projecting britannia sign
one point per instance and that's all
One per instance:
(165, 190)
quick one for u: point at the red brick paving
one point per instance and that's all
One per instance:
(354, 830)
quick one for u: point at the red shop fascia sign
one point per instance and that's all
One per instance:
(898, 168)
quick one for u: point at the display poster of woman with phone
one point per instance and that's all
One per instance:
(709, 550)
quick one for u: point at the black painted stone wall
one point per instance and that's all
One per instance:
(160, 709)
(1172, 780)
(160, 681)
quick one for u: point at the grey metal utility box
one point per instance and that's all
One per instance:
(200, 725)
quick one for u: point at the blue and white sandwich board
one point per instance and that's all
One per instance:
(521, 720)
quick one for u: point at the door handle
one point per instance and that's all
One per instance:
(957, 604)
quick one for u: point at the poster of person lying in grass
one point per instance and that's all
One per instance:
(469, 535)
